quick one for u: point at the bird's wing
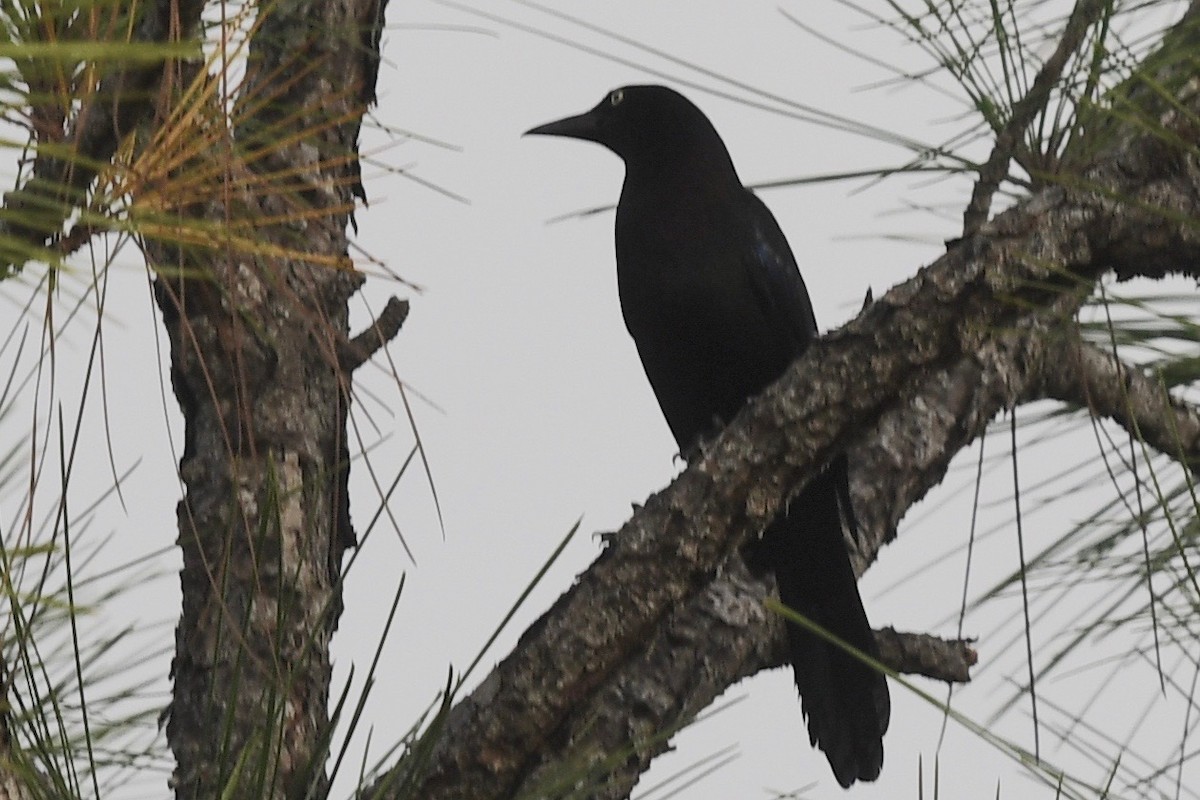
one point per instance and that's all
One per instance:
(783, 299)
(778, 287)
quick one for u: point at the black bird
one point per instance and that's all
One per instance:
(714, 301)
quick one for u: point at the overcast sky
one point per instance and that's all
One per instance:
(528, 393)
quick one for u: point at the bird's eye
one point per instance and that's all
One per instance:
(616, 96)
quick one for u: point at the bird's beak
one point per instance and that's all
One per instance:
(581, 126)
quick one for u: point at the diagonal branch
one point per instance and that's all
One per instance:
(721, 635)
(1084, 375)
(724, 633)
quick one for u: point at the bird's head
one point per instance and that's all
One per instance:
(645, 125)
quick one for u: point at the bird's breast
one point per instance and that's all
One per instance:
(698, 325)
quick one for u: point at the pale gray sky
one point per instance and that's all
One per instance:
(537, 412)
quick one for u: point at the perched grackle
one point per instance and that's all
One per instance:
(711, 294)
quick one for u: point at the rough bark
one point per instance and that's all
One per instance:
(1023, 113)
(261, 359)
(123, 99)
(19, 777)
(1085, 376)
(911, 381)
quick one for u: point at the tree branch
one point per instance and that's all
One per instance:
(922, 654)
(123, 100)
(1085, 376)
(722, 634)
(355, 352)
(993, 171)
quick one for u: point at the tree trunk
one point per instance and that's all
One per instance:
(260, 364)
